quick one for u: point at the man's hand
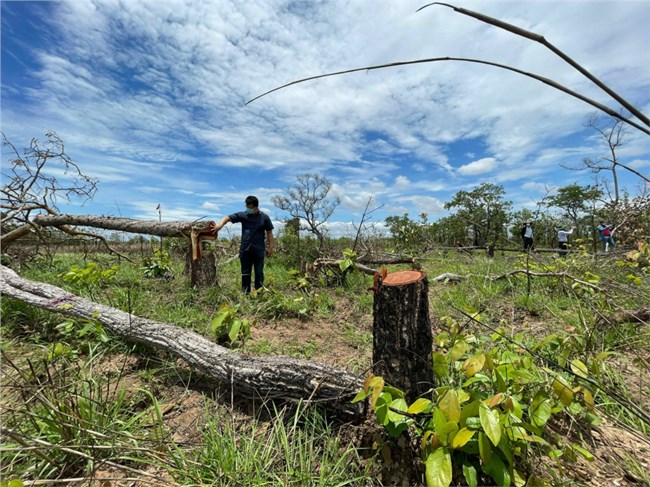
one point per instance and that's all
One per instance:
(269, 251)
(214, 228)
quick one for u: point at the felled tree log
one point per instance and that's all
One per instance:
(264, 377)
(402, 339)
(201, 269)
(145, 227)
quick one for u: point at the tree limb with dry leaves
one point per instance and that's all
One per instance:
(35, 182)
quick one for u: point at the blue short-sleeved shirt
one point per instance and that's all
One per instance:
(253, 229)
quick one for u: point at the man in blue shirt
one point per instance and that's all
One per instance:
(255, 225)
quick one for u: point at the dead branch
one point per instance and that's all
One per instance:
(562, 275)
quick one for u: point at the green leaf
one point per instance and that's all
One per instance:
(400, 405)
(579, 368)
(490, 423)
(474, 364)
(469, 472)
(501, 384)
(484, 448)
(218, 320)
(584, 452)
(361, 395)
(440, 365)
(498, 471)
(470, 410)
(12, 483)
(458, 350)
(450, 405)
(381, 408)
(563, 390)
(462, 437)
(419, 406)
(540, 410)
(234, 330)
(438, 468)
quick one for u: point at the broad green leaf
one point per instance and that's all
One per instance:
(462, 437)
(438, 468)
(579, 368)
(540, 410)
(458, 350)
(563, 390)
(439, 420)
(394, 391)
(216, 322)
(490, 423)
(440, 365)
(13, 483)
(469, 472)
(381, 408)
(498, 470)
(484, 448)
(474, 364)
(501, 384)
(361, 395)
(399, 405)
(447, 432)
(519, 479)
(420, 405)
(234, 330)
(450, 405)
(468, 411)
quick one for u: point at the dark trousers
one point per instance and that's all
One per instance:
(251, 259)
(564, 249)
(528, 244)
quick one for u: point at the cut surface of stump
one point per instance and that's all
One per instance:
(402, 339)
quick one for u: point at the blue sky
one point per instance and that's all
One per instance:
(149, 98)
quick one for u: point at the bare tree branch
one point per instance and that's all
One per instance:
(539, 38)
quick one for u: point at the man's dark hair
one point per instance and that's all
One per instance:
(252, 200)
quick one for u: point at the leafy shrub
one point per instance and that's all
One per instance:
(491, 412)
(228, 328)
(89, 277)
(159, 265)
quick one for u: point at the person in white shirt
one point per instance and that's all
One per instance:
(563, 239)
(527, 235)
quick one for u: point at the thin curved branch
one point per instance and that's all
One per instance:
(539, 38)
(544, 80)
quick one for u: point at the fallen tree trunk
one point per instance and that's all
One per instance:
(146, 227)
(262, 377)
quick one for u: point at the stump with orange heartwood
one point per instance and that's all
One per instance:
(402, 338)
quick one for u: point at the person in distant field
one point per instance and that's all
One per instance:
(527, 235)
(255, 226)
(563, 240)
(606, 232)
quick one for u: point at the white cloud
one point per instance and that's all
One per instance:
(149, 96)
(481, 166)
(210, 206)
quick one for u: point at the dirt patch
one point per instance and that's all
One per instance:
(344, 340)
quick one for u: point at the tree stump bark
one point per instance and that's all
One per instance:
(402, 339)
(202, 271)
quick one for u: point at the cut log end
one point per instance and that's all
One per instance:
(402, 278)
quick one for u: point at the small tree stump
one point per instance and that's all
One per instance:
(402, 340)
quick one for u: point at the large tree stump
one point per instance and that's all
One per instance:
(202, 271)
(402, 339)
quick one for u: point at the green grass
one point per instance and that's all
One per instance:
(298, 448)
(293, 448)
